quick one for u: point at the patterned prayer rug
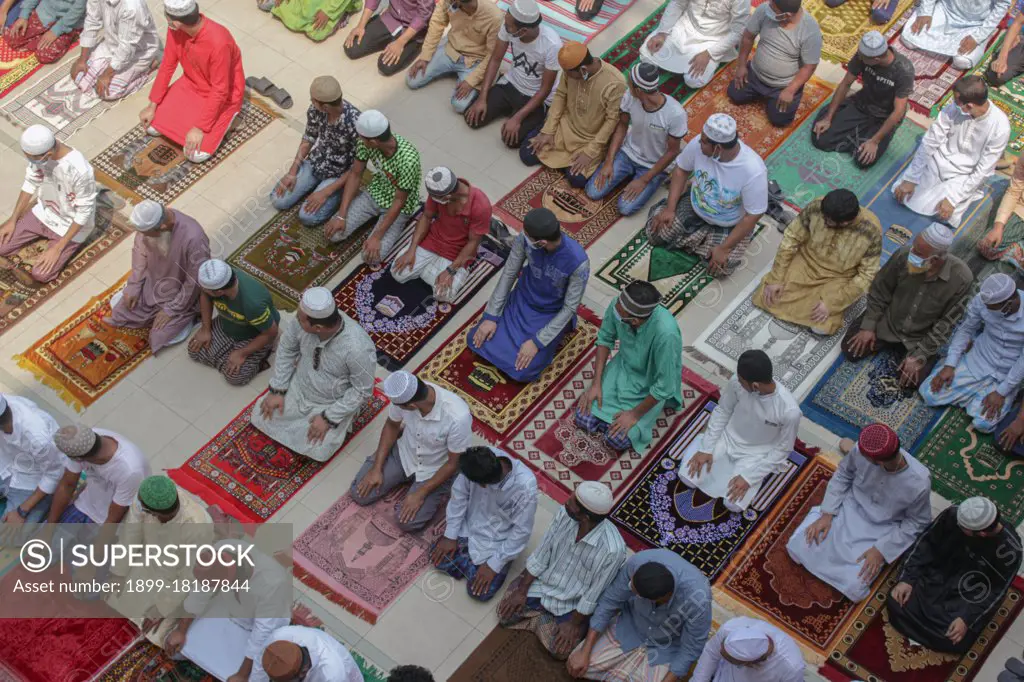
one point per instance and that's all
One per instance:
(84, 357)
(144, 661)
(872, 649)
(623, 54)
(15, 67)
(497, 402)
(510, 656)
(561, 16)
(842, 27)
(401, 318)
(249, 475)
(659, 511)
(138, 166)
(307, 612)
(563, 456)
(965, 463)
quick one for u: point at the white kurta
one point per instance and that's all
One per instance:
(952, 21)
(331, 662)
(749, 435)
(872, 508)
(786, 664)
(694, 26)
(123, 34)
(955, 157)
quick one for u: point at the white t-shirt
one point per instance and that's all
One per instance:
(647, 138)
(65, 193)
(531, 60)
(116, 481)
(722, 192)
(427, 439)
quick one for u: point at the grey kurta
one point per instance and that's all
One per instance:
(339, 389)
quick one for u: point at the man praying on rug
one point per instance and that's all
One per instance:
(326, 154)
(46, 27)
(787, 54)
(391, 198)
(297, 652)
(863, 125)
(489, 520)
(426, 430)
(582, 118)
(749, 650)
(317, 19)
(652, 621)
(694, 38)
(876, 505)
(984, 380)
(57, 204)
(163, 290)
(1005, 240)
(644, 144)
(534, 304)
(913, 304)
(463, 52)
(120, 48)
(30, 464)
(322, 378)
(198, 109)
(1008, 63)
(454, 221)
(955, 577)
(525, 91)
(239, 341)
(627, 395)
(750, 435)
(397, 33)
(726, 186)
(828, 256)
(578, 557)
(956, 156)
(959, 29)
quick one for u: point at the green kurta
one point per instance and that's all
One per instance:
(299, 15)
(649, 362)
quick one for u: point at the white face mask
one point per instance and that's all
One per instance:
(962, 110)
(530, 243)
(585, 75)
(43, 165)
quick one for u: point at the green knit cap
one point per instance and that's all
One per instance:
(158, 493)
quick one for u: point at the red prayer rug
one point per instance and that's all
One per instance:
(249, 475)
(145, 662)
(15, 66)
(497, 402)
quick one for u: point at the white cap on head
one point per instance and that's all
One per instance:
(400, 387)
(371, 123)
(976, 513)
(997, 288)
(37, 139)
(525, 11)
(720, 128)
(594, 497)
(746, 644)
(318, 303)
(440, 181)
(872, 44)
(3, 403)
(939, 236)
(146, 215)
(179, 8)
(214, 274)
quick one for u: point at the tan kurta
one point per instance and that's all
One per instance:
(469, 35)
(582, 118)
(819, 263)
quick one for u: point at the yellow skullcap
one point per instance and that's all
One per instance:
(571, 55)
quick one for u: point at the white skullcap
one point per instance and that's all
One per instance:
(214, 274)
(976, 513)
(400, 387)
(3, 403)
(146, 215)
(746, 644)
(440, 181)
(525, 11)
(594, 497)
(720, 128)
(371, 123)
(179, 8)
(872, 44)
(37, 139)
(318, 303)
(997, 288)
(939, 236)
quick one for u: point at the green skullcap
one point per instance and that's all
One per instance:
(158, 493)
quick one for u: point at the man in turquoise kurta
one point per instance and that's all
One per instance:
(643, 378)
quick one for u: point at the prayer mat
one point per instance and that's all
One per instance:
(561, 16)
(852, 395)
(138, 166)
(497, 402)
(965, 463)
(842, 27)
(872, 649)
(563, 455)
(84, 357)
(144, 661)
(402, 317)
(248, 474)
(660, 511)
(359, 558)
(510, 656)
(15, 66)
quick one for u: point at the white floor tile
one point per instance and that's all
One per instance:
(400, 631)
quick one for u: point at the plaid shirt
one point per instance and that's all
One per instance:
(334, 144)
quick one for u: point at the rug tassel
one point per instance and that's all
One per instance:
(739, 608)
(62, 391)
(484, 432)
(309, 580)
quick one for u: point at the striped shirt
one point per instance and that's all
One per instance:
(570, 575)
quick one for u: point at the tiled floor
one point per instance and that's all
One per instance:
(171, 407)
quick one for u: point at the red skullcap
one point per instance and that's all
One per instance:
(878, 441)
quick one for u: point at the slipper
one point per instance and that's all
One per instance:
(261, 85)
(280, 96)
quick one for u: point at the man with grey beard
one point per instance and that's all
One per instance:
(163, 289)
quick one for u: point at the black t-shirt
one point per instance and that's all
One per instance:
(882, 84)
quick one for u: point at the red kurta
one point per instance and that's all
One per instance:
(210, 92)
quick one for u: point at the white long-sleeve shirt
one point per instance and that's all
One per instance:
(717, 26)
(977, 19)
(122, 31)
(28, 456)
(64, 195)
(331, 661)
(997, 350)
(786, 664)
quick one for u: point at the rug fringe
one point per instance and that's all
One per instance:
(212, 496)
(58, 387)
(309, 580)
(740, 608)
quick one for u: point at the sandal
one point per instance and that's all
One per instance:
(280, 97)
(261, 85)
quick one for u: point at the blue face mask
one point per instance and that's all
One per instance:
(617, 315)
(915, 260)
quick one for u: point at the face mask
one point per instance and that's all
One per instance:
(617, 315)
(777, 17)
(916, 264)
(1007, 309)
(530, 243)
(962, 110)
(42, 164)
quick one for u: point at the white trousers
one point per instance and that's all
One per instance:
(941, 38)
(428, 267)
(715, 483)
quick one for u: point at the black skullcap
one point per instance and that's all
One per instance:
(653, 581)
(645, 76)
(841, 205)
(754, 366)
(541, 223)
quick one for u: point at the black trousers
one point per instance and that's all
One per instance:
(1014, 67)
(881, 345)
(850, 127)
(376, 38)
(503, 100)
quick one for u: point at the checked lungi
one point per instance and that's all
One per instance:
(221, 346)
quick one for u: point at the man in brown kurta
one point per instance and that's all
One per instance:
(163, 290)
(582, 117)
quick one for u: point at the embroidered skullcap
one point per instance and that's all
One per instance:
(720, 128)
(541, 223)
(372, 123)
(400, 387)
(282, 659)
(214, 274)
(640, 298)
(440, 181)
(997, 288)
(976, 513)
(594, 497)
(158, 493)
(526, 12)
(939, 236)
(179, 8)
(645, 76)
(146, 215)
(746, 644)
(37, 139)
(317, 302)
(571, 55)
(872, 44)
(325, 89)
(3, 403)
(878, 442)
(75, 440)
